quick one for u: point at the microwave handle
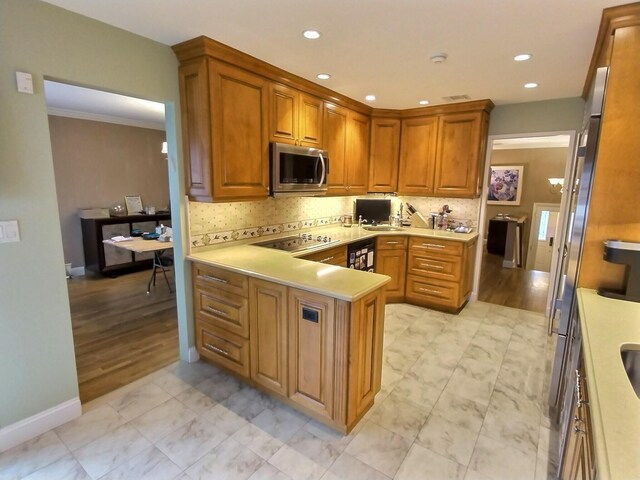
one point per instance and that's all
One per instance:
(324, 170)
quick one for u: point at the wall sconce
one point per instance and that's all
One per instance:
(556, 185)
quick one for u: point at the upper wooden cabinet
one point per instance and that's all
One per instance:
(443, 155)
(459, 154)
(417, 156)
(295, 117)
(347, 141)
(384, 155)
(224, 111)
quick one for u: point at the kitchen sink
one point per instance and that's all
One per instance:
(631, 362)
(381, 228)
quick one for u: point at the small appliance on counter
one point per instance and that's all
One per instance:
(625, 253)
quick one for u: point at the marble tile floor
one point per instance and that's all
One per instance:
(463, 397)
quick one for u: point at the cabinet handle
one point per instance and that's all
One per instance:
(392, 243)
(327, 259)
(579, 400)
(432, 245)
(428, 265)
(215, 279)
(217, 349)
(429, 290)
(216, 311)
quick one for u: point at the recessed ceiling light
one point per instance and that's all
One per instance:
(522, 57)
(370, 98)
(424, 102)
(311, 34)
(439, 57)
(324, 76)
(530, 85)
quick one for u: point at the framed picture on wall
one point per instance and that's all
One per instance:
(134, 204)
(505, 185)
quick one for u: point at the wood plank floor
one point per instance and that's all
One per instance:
(120, 333)
(512, 287)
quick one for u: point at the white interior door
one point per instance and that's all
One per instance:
(546, 239)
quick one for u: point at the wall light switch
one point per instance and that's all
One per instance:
(9, 231)
(25, 82)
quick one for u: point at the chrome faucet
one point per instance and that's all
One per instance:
(361, 221)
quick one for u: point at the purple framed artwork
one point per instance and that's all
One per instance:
(505, 185)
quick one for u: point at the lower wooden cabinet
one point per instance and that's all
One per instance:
(317, 353)
(268, 320)
(391, 260)
(579, 456)
(332, 256)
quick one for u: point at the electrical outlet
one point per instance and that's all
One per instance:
(25, 82)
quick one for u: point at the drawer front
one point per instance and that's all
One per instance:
(425, 244)
(444, 267)
(223, 309)
(208, 276)
(224, 348)
(390, 242)
(431, 291)
(331, 256)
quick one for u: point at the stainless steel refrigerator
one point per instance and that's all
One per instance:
(564, 306)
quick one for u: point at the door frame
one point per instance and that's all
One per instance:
(535, 226)
(564, 206)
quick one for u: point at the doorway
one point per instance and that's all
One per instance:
(536, 213)
(105, 147)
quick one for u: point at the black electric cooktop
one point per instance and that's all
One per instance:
(295, 243)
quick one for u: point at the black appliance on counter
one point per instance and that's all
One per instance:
(361, 255)
(372, 210)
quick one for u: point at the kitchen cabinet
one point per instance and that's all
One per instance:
(225, 133)
(460, 151)
(268, 318)
(332, 256)
(317, 353)
(385, 154)
(391, 260)
(347, 141)
(417, 156)
(579, 456)
(440, 272)
(107, 259)
(295, 117)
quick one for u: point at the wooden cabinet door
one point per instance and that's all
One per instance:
(357, 153)
(239, 105)
(268, 338)
(394, 264)
(417, 156)
(283, 114)
(311, 351)
(458, 157)
(196, 129)
(365, 360)
(385, 155)
(335, 142)
(310, 121)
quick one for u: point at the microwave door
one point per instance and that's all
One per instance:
(321, 162)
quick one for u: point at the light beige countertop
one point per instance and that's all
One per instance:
(283, 267)
(606, 326)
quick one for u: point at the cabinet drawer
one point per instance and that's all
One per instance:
(427, 291)
(224, 348)
(223, 309)
(206, 275)
(331, 256)
(432, 265)
(389, 242)
(422, 244)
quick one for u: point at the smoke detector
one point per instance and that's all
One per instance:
(439, 57)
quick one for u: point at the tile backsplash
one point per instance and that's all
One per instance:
(212, 223)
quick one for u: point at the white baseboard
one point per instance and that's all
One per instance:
(194, 356)
(20, 432)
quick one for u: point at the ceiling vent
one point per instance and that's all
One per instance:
(456, 98)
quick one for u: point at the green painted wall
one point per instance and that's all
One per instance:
(547, 116)
(37, 365)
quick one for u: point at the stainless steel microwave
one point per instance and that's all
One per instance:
(298, 171)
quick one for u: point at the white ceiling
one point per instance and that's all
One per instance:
(383, 46)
